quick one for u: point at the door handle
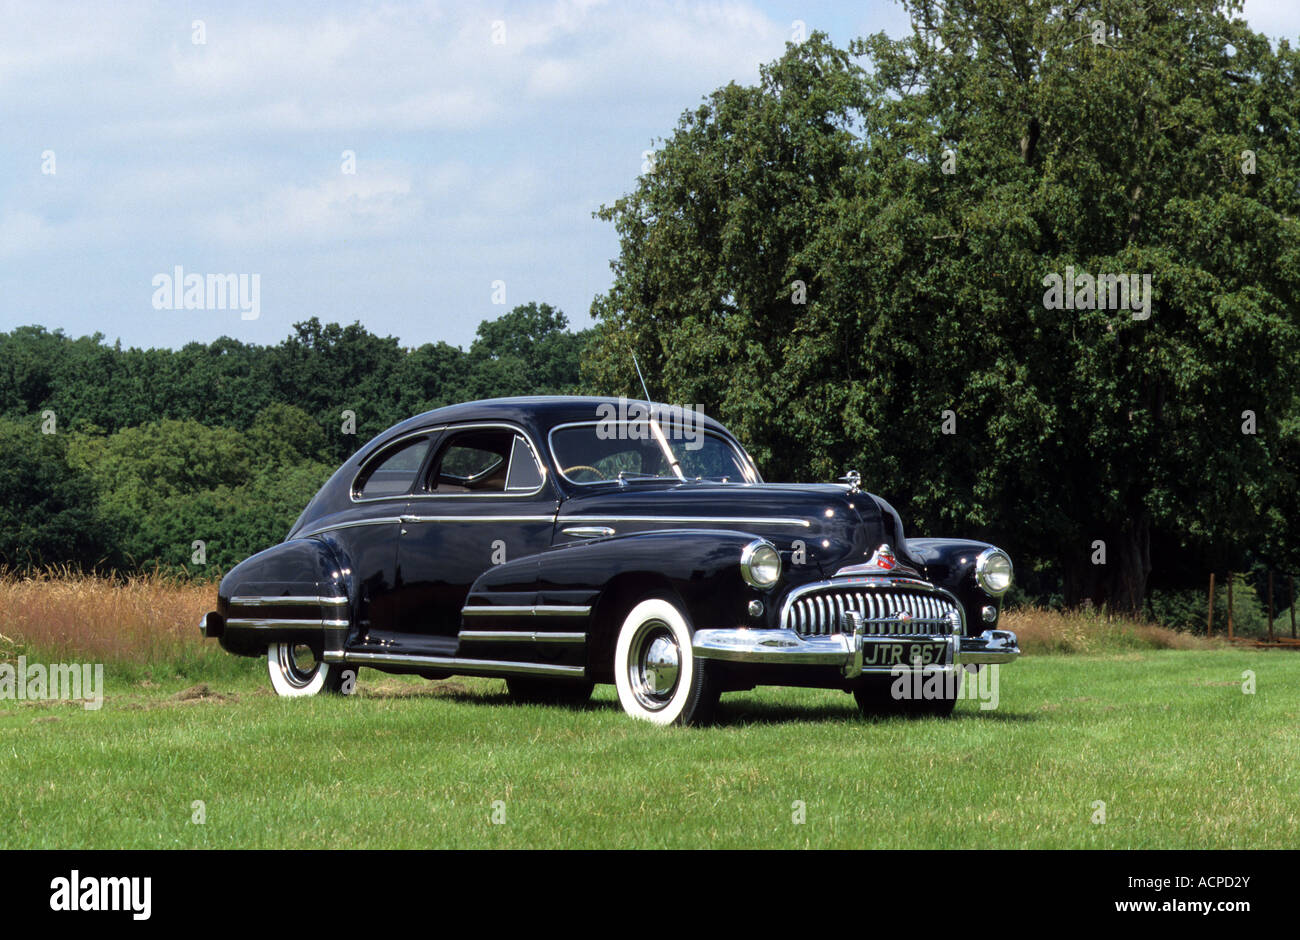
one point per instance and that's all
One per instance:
(588, 531)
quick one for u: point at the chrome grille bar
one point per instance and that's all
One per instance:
(819, 613)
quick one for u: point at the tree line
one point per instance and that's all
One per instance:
(124, 459)
(905, 257)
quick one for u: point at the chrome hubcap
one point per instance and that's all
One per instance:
(298, 664)
(654, 664)
(661, 665)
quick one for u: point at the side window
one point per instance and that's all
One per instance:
(472, 461)
(392, 472)
(524, 475)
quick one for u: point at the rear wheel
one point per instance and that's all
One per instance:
(658, 677)
(550, 691)
(296, 671)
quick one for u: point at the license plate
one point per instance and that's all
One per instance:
(889, 653)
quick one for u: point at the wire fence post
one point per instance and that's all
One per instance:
(1290, 584)
(1229, 604)
(1209, 616)
(1270, 605)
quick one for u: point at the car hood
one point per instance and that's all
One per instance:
(830, 525)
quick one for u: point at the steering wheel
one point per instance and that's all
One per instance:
(583, 466)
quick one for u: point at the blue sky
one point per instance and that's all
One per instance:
(476, 161)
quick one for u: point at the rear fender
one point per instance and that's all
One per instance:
(296, 590)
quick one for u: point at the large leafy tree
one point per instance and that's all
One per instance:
(528, 351)
(847, 263)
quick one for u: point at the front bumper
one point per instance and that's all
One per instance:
(844, 650)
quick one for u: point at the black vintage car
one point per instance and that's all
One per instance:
(560, 542)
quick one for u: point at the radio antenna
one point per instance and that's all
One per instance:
(642, 378)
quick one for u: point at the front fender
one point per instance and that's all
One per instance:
(701, 567)
(950, 563)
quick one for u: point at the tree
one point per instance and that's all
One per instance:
(528, 351)
(45, 516)
(848, 262)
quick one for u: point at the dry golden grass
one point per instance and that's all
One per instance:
(154, 619)
(1088, 631)
(143, 618)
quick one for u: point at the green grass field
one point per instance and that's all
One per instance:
(1181, 757)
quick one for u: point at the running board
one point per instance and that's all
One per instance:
(465, 667)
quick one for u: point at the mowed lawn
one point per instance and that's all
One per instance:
(1167, 739)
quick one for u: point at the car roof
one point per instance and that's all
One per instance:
(538, 413)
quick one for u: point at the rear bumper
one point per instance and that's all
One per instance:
(211, 625)
(846, 650)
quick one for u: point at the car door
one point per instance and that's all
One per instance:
(484, 500)
(365, 533)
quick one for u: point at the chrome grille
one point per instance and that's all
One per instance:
(819, 613)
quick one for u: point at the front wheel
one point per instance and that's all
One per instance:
(658, 677)
(296, 671)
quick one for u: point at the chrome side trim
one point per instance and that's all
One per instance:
(285, 600)
(520, 636)
(381, 520)
(537, 610)
(411, 517)
(272, 623)
(748, 520)
(466, 666)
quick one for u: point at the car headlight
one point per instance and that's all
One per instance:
(993, 571)
(760, 564)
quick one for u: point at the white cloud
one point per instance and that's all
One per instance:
(23, 233)
(1279, 19)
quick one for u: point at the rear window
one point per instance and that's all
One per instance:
(393, 472)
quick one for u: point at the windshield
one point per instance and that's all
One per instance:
(646, 450)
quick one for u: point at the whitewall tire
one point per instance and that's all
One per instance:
(657, 675)
(295, 672)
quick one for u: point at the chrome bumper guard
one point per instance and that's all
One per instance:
(780, 647)
(210, 625)
(990, 647)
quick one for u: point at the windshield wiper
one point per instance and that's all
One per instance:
(625, 475)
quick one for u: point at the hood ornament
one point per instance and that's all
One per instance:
(883, 558)
(852, 478)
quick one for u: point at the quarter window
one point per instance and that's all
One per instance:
(524, 475)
